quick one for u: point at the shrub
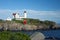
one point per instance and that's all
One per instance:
(7, 35)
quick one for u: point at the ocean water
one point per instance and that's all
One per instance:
(47, 33)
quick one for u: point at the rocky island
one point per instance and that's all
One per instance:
(31, 24)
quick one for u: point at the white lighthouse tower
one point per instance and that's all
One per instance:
(25, 14)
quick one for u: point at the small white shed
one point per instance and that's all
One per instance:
(8, 19)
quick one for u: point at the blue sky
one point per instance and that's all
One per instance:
(39, 9)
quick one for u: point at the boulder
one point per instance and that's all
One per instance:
(37, 36)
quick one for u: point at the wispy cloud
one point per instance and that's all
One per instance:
(44, 15)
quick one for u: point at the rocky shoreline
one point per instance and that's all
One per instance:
(18, 26)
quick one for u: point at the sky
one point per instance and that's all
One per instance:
(37, 9)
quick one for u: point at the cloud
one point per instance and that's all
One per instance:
(43, 15)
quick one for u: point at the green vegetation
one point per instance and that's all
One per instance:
(35, 21)
(17, 21)
(38, 22)
(1, 20)
(7, 35)
(49, 22)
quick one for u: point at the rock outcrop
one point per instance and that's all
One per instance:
(17, 26)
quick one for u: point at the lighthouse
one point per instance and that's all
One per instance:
(18, 17)
(25, 14)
